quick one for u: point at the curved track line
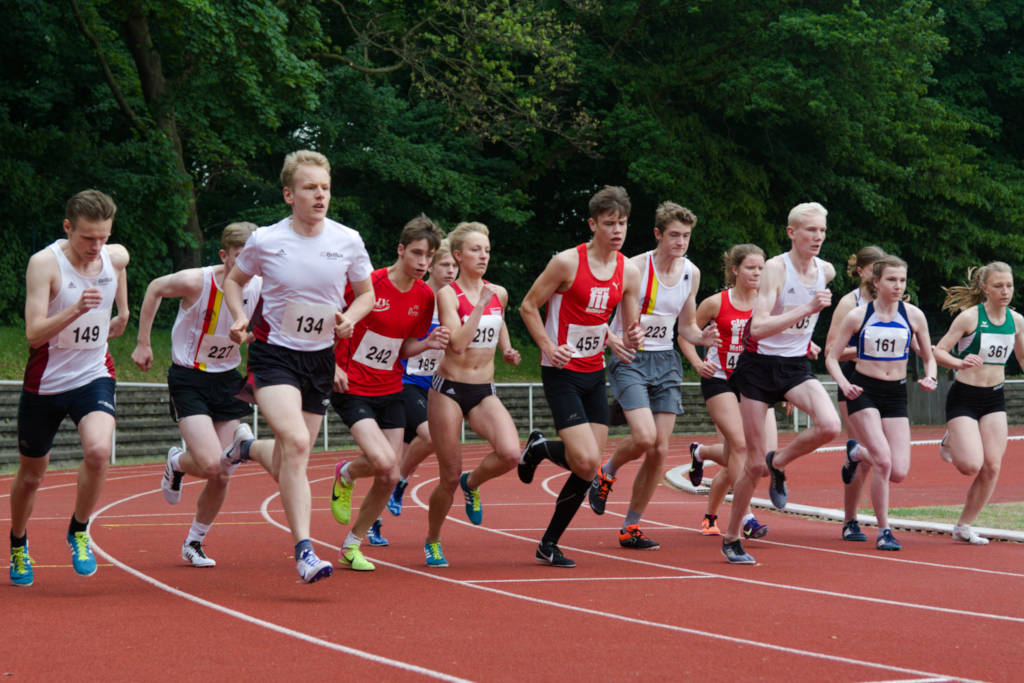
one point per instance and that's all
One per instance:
(256, 620)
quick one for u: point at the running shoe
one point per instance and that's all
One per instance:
(852, 532)
(777, 491)
(193, 553)
(170, 483)
(849, 470)
(374, 537)
(312, 568)
(549, 553)
(21, 566)
(632, 537)
(754, 529)
(232, 456)
(886, 541)
(351, 557)
(395, 501)
(696, 470)
(599, 490)
(735, 553)
(474, 511)
(82, 558)
(709, 526)
(944, 451)
(963, 532)
(529, 460)
(341, 496)
(435, 556)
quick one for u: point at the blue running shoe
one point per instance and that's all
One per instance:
(21, 566)
(82, 558)
(735, 553)
(886, 541)
(754, 529)
(777, 490)
(473, 509)
(435, 557)
(395, 501)
(373, 535)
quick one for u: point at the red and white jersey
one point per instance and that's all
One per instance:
(77, 354)
(304, 280)
(489, 327)
(731, 323)
(795, 340)
(579, 316)
(370, 355)
(660, 306)
(199, 338)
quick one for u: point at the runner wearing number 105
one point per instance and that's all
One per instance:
(580, 288)
(648, 383)
(368, 380)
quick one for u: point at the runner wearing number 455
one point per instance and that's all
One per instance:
(368, 380)
(647, 383)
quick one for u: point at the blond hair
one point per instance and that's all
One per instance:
(961, 297)
(805, 210)
(734, 257)
(302, 157)
(236, 235)
(461, 231)
(443, 249)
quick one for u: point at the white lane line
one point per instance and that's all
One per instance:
(590, 578)
(277, 628)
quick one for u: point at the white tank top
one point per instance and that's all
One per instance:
(793, 341)
(199, 338)
(77, 354)
(304, 281)
(660, 305)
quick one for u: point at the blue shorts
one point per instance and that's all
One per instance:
(39, 417)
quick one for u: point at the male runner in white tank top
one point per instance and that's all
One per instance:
(774, 365)
(71, 287)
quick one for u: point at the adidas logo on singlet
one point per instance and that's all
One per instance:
(280, 252)
(72, 285)
(791, 291)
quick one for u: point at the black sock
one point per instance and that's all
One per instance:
(243, 449)
(77, 526)
(17, 542)
(554, 451)
(569, 500)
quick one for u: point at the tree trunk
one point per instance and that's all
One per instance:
(154, 85)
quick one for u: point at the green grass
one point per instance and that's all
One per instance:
(995, 515)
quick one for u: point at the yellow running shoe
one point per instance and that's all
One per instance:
(351, 557)
(341, 496)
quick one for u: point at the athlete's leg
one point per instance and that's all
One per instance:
(993, 432)
(24, 488)
(810, 397)
(445, 418)
(649, 475)
(96, 430)
(491, 420)
(876, 451)
(753, 466)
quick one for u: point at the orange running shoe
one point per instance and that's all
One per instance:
(709, 526)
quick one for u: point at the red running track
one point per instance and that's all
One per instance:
(813, 608)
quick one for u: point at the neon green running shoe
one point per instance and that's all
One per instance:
(21, 566)
(341, 496)
(351, 557)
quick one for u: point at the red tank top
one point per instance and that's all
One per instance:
(489, 327)
(579, 316)
(731, 323)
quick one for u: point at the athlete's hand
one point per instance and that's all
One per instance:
(822, 300)
(143, 356)
(706, 370)
(561, 355)
(340, 380)
(813, 351)
(621, 351)
(511, 356)
(439, 338)
(972, 360)
(343, 327)
(238, 332)
(852, 391)
(928, 383)
(117, 325)
(710, 337)
(90, 299)
(635, 335)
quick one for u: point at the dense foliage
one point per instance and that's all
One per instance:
(902, 117)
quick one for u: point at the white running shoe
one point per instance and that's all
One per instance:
(170, 482)
(968, 535)
(944, 451)
(312, 568)
(232, 455)
(193, 552)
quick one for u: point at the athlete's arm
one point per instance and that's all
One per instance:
(705, 313)
(557, 276)
(924, 345)
(762, 323)
(360, 307)
(119, 261)
(1018, 338)
(234, 283)
(962, 325)
(40, 278)
(687, 328)
(845, 305)
(185, 284)
(629, 306)
(847, 328)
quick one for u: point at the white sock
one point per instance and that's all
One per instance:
(696, 453)
(197, 532)
(352, 539)
(175, 461)
(344, 472)
(855, 453)
(747, 517)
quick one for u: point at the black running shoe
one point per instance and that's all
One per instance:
(850, 466)
(529, 460)
(735, 553)
(852, 532)
(696, 471)
(549, 553)
(599, 490)
(777, 491)
(632, 537)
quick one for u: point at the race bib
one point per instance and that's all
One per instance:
(995, 348)
(88, 331)
(214, 350)
(657, 330)
(486, 335)
(886, 343)
(586, 340)
(731, 358)
(377, 351)
(801, 326)
(311, 322)
(424, 363)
